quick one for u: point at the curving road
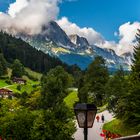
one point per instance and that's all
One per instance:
(94, 132)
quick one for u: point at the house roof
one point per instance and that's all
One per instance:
(19, 79)
(5, 90)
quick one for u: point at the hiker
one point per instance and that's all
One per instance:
(103, 118)
(97, 118)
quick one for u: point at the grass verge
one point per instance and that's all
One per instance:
(71, 99)
(3, 83)
(117, 126)
(102, 108)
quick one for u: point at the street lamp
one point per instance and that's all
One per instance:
(85, 115)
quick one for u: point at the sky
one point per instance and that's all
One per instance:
(103, 15)
(106, 23)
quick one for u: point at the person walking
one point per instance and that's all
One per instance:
(97, 118)
(103, 118)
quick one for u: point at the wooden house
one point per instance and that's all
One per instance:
(5, 93)
(19, 80)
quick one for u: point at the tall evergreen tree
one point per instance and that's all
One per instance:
(136, 58)
(17, 69)
(3, 65)
(54, 86)
(133, 110)
(94, 82)
(57, 115)
(96, 77)
(116, 93)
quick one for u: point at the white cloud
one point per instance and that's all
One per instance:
(128, 31)
(28, 16)
(126, 35)
(16, 7)
(89, 33)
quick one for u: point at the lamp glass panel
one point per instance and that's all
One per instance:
(81, 119)
(90, 118)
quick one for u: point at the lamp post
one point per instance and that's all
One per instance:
(85, 115)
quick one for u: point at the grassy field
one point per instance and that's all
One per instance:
(3, 83)
(117, 127)
(71, 99)
(30, 85)
(33, 73)
(24, 88)
(102, 108)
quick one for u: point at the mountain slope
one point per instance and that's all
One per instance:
(72, 49)
(80, 42)
(13, 48)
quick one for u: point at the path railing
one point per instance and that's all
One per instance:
(133, 137)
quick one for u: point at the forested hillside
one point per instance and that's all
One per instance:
(14, 48)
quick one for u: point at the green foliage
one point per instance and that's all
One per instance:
(123, 95)
(35, 115)
(17, 69)
(116, 92)
(71, 99)
(3, 65)
(118, 127)
(55, 86)
(32, 74)
(136, 55)
(3, 83)
(102, 108)
(17, 125)
(30, 57)
(8, 81)
(33, 100)
(19, 87)
(132, 110)
(92, 85)
(83, 94)
(48, 126)
(77, 73)
(59, 117)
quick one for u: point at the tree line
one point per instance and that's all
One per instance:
(121, 91)
(42, 114)
(14, 48)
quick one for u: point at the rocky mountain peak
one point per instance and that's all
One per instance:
(80, 42)
(53, 32)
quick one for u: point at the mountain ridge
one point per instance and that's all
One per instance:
(55, 41)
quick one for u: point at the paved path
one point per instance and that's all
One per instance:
(94, 133)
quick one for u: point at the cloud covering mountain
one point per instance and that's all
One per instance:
(28, 16)
(89, 33)
(126, 35)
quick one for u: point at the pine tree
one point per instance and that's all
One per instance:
(116, 92)
(94, 82)
(133, 109)
(17, 69)
(136, 59)
(3, 65)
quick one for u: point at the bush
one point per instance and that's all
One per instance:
(34, 86)
(4, 77)
(19, 87)
(31, 76)
(17, 95)
(8, 82)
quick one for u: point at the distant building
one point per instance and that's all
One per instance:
(5, 93)
(19, 80)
